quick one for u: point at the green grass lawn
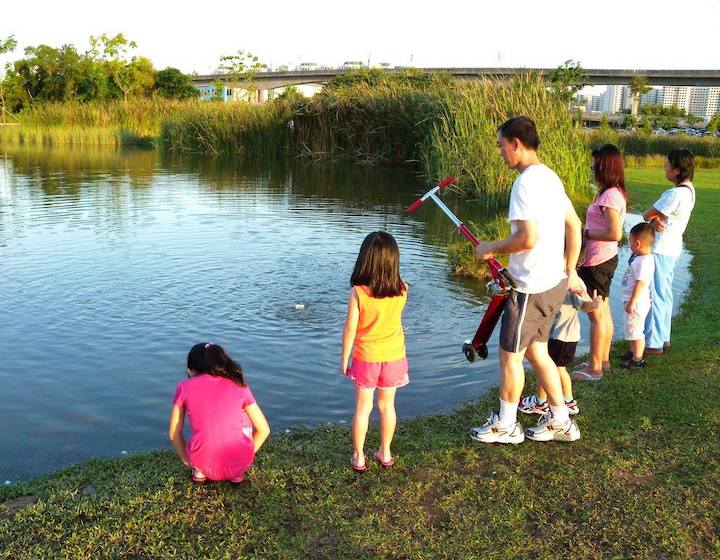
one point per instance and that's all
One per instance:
(643, 482)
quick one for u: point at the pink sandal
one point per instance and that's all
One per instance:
(585, 375)
(357, 468)
(385, 464)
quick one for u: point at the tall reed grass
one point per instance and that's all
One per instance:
(648, 145)
(463, 140)
(443, 130)
(229, 128)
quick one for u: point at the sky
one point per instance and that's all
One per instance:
(192, 36)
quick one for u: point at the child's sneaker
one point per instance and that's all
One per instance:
(530, 405)
(631, 363)
(198, 477)
(625, 356)
(573, 407)
(494, 432)
(549, 430)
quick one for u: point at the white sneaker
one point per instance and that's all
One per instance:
(529, 405)
(494, 432)
(549, 430)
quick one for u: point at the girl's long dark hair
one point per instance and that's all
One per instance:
(212, 359)
(609, 168)
(378, 266)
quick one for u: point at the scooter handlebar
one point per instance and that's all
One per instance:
(420, 201)
(415, 205)
(446, 181)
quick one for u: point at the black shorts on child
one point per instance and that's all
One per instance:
(562, 353)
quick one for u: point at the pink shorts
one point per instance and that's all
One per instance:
(381, 375)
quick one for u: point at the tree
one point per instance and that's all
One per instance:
(629, 121)
(128, 75)
(567, 79)
(6, 46)
(241, 68)
(639, 85)
(173, 84)
(714, 124)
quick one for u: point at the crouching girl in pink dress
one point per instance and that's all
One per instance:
(228, 426)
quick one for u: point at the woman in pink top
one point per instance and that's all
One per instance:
(603, 230)
(228, 426)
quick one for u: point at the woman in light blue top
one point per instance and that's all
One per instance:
(669, 215)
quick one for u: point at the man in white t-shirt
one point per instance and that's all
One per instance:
(544, 245)
(669, 216)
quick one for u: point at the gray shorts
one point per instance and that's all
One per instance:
(529, 318)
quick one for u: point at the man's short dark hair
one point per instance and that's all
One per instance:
(522, 128)
(643, 231)
(683, 162)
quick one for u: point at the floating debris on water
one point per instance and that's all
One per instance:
(123, 452)
(299, 306)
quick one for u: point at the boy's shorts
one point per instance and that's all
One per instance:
(635, 321)
(562, 353)
(381, 375)
(529, 318)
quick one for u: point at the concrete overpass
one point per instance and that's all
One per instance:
(271, 80)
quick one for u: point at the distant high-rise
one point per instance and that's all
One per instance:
(703, 102)
(614, 99)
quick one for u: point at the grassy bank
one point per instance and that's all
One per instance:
(641, 483)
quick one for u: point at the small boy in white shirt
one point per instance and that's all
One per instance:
(564, 338)
(636, 292)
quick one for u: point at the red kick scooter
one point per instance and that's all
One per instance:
(499, 286)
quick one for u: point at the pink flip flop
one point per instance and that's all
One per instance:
(385, 464)
(357, 468)
(584, 376)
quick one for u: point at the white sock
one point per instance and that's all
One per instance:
(508, 413)
(561, 414)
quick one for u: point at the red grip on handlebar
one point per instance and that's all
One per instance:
(446, 181)
(415, 205)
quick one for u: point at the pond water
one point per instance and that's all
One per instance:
(114, 263)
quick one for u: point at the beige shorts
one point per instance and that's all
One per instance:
(635, 321)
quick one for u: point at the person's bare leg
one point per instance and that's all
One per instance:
(609, 330)
(638, 348)
(565, 382)
(388, 420)
(546, 372)
(363, 408)
(541, 393)
(597, 340)
(512, 375)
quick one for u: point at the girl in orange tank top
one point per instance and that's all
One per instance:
(373, 334)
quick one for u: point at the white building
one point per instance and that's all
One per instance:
(654, 97)
(713, 103)
(678, 96)
(614, 99)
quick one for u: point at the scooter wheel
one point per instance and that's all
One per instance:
(469, 352)
(482, 352)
